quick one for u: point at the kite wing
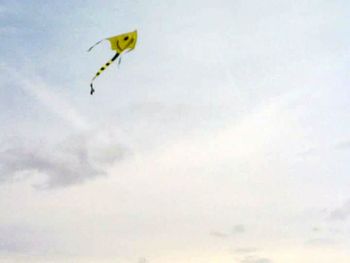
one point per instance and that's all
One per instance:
(119, 43)
(123, 42)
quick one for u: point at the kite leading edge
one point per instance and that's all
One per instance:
(119, 43)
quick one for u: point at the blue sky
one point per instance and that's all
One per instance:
(223, 137)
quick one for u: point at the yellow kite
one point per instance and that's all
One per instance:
(119, 43)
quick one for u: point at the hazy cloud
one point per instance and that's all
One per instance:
(321, 242)
(252, 259)
(341, 213)
(23, 238)
(343, 145)
(142, 260)
(219, 234)
(245, 250)
(73, 161)
(52, 101)
(308, 152)
(238, 229)
(316, 229)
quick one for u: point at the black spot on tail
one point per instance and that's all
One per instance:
(92, 89)
(115, 56)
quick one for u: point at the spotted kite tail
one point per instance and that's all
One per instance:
(101, 70)
(92, 89)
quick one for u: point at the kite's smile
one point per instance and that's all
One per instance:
(118, 45)
(127, 44)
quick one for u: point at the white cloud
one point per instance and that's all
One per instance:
(72, 161)
(54, 102)
(342, 213)
(251, 259)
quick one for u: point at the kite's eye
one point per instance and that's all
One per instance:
(126, 38)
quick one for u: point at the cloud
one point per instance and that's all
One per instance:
(252, 259)
(54, 102)
(248, 255)
(245, 250)
(219, 234)
(23, 238)
(308, 152)
(321, 242)
(345, 145)
(341, 213)
(73, 161)
(62, 160)
(316, 229)
(238, 229)
(39, 92)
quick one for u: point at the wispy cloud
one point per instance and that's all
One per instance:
(236, 230)
(253, 259)
(219, 234)
(54, 102)
(46, 95)
(342, 213)
(23, 238)
(245, 250)
(321, 242)
(73, 161)
(345, 145)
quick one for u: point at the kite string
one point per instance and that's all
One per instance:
(95, 45)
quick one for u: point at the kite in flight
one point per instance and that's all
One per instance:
(119, 43)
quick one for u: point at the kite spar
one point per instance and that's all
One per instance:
(119, 43)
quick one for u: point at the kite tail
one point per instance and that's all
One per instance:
(92, 89)
(100, 71)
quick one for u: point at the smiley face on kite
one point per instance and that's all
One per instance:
(123, 42)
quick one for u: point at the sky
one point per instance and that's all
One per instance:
(223, 137)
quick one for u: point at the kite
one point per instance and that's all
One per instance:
(120, 43)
